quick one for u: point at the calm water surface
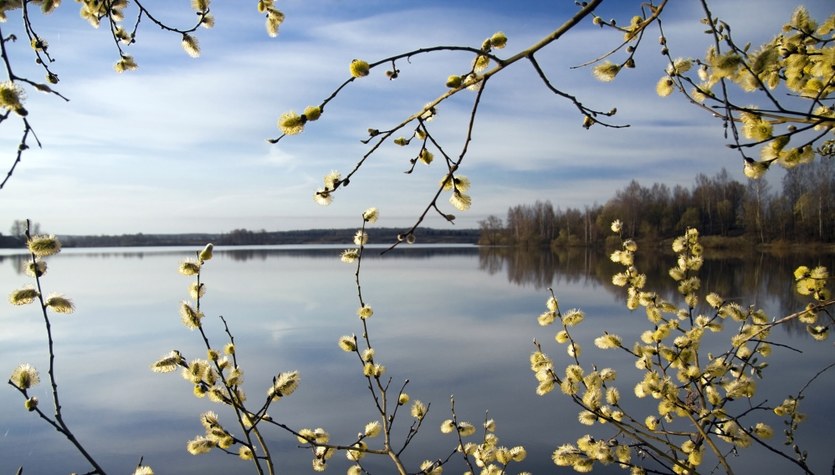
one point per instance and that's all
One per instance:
(454, 321)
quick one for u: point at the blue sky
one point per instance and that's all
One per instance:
(179, 145)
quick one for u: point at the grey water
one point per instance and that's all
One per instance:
(453, 321)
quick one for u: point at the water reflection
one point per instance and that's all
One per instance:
(537, 268)
(19, 259)
(759, 279)
(332, 252)
(452, 320)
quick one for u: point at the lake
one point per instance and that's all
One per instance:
(452, 320)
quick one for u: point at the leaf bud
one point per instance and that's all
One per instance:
(498, 40)
(206, 253)
(453, 81)
(587, 122)
(312, 112)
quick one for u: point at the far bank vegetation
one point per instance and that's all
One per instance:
(729, 213)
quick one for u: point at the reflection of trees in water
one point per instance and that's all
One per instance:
(17, 261)
(333, 252)
(243, 254)
(20, 261)
(761, 280)
(538, 268)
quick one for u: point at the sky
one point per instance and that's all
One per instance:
(180, 144)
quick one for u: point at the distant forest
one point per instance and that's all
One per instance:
(245, 237)
(802, 210)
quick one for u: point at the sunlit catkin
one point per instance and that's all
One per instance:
(11, 96)
(44, 245)
(23, 296)
(291, 123)
(359, 68)
(190, 317)
(348, 343)
(25, 376)
(191, 46)
(59, 304)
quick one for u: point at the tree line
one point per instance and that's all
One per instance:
(247, 237)
(802, 209)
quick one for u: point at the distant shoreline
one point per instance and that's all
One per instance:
(243, 237)
(385, 236)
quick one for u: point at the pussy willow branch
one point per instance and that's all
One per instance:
(727, 115)
(702, 426)
(27, 129)
(339, 447)
(794, 316)
(380, 394)
(391, 59)
(58, 422)
(234, 400)
(818, 99)
(799, 396)
(762, 87)
(779, 115)
(34, 40)
(787, 134)
(800, 463)
(413, 430)
(256, 417)
(146, 12)
(23, 146)
(458, 434)
(579, 105)
(710, 442)
(143, 11)
(44, 59)
(636, 430)
(452, 169)
(586, 10)
(637, 36)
